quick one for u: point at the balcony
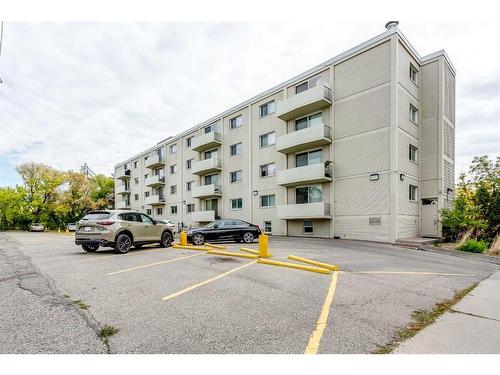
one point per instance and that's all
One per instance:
(308, 101)
(207, 166)
(122, 173)
(308, 174)
(155, 200)
(314, 136)
(206, 141)
(207, 191)
(122, 205)
(203, 216)
(154, 181)
(318, 210)
(122, 189)
(154, 161)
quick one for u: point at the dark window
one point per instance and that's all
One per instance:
(308, 226)
(302, 87)
(268, 108)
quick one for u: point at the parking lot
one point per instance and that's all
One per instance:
(186, 301)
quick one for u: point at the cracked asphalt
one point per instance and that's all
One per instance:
(255, 309)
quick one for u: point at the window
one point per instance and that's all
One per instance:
(136, 197)
(412, 193)
(308, 226)
(189, 141)
(268, 200)
(146, 177)
(146, 194)
(267, 170)
(413, 73)
(211, 179)
(173, 189)
(267, 227)
(146, 219)
(148, 211)
(236, 149)
(173, 148)
(210, 128)
(210, 154)
(308, 194)
(135, 164)
(235, 176)
(190, 208)
(412, 153)
(173, 169)
(413, 114)
(308, 121)
(189, 163)
(159, 211)
(235, 122)
(189, 185)
(136, 180)
(236, 204)
(268, 108)
(267, 139)
(301, 87)
(308, 158)
(173, 210)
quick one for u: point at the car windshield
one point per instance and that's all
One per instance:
(212, 224)
(97, 216)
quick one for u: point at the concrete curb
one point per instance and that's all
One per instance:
(461, 254)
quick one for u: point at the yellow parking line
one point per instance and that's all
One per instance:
(154, 264)
(188, 289)
(314, 340)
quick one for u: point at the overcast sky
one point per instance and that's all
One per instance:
(101, 92)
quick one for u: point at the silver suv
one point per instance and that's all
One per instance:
(120, 230)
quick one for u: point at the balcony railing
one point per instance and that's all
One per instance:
(207, 191)
(207, 166)
(122, 173)
(314, 99)
(203, 216)
(122, 205)
(317, 210)
(308, 174)
(154, 161)
(157, 199)
(206, 141)
(154, 181)
(122, 189)
(304, 139)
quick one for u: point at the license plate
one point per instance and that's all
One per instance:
(87, 229)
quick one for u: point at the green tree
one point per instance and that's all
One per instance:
(102, 192)
(14, 210)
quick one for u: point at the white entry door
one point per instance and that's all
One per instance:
(429, 218)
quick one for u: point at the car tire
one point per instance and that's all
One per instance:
(248, 237)
(166, 239)
(198, 239)
(90, 248)
(123, 243)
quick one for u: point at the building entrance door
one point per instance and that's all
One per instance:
(430, 218)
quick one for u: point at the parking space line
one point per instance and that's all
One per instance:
(122, 255)
(315, 339)
(188, 289)
(409, 273)
(154, 264)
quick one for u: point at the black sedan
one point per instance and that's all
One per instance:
(224, 230)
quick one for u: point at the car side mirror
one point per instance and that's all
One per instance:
(155, 222)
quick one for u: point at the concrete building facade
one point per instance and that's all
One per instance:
(359, 147)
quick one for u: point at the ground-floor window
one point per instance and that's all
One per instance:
(173, 210)
(159, 211)
(308, 226)
(148, 211)
(190, 207)
(267, 227)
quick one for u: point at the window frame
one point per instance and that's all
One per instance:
(412, 110)
(413, 72)
(267, 165)
(304, 231)
(173, 169)
(267, 136)
(234, 120)
(172, 149)
(412, 193)
(189, 141)
(267, 105)
(264, 226)
(172, 209)
(231, 201)
(238, 172)
(415, 153)
(235, 145)
(267, 196)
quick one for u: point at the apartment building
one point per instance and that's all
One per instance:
(358, 147)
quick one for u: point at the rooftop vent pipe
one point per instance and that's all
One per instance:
(391, 24)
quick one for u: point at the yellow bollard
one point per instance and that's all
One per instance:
(58, 230)
(67, 231)
(183, 238)
(263, 246)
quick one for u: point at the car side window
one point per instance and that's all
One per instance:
(146, 219)
(239, 223)
(229, 223)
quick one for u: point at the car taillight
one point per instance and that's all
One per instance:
(107, 222)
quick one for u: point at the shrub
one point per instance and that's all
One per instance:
(473, 246)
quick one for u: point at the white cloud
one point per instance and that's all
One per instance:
(78, 92)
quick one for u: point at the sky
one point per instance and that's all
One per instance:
(98, 93)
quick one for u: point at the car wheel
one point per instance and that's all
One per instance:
(198, 239)
(123, 243)
(248, 237)
(166, 239)
(90, 248)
